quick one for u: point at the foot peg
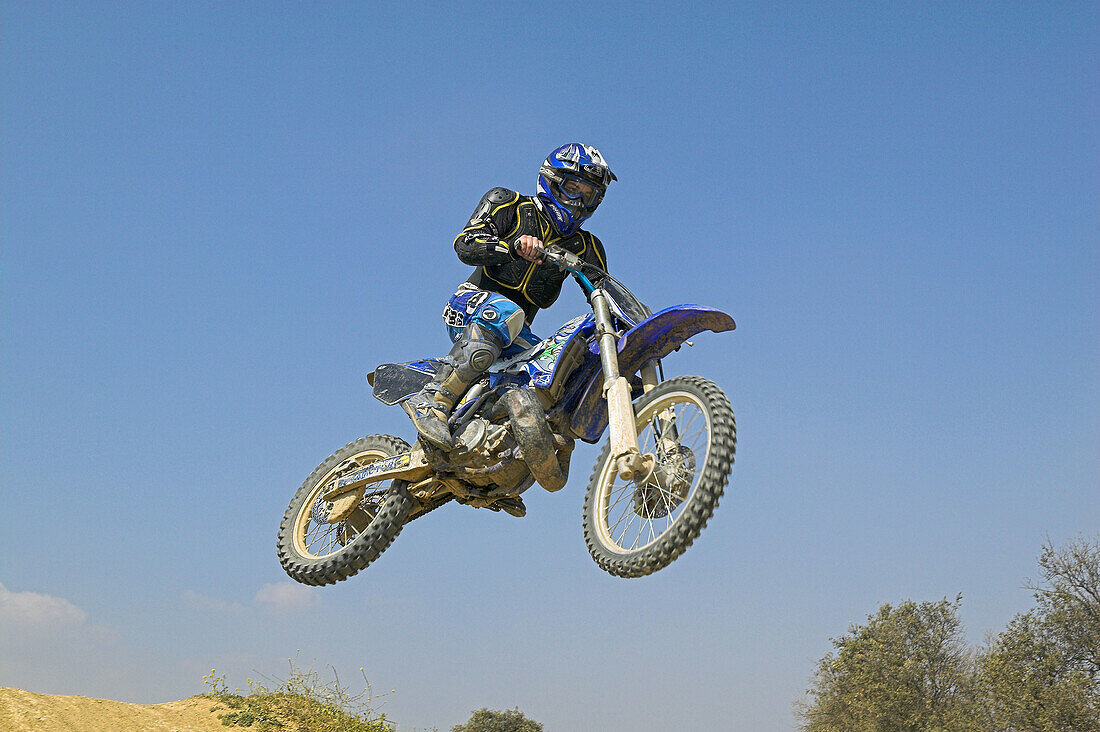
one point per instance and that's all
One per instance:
(512, 505)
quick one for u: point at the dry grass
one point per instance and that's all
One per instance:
(302, 701)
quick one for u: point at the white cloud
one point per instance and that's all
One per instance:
(287, 596)
(210, 604)
(33, 610)
(281, 596)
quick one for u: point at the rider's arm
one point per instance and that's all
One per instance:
(594, 253)
(480, 242)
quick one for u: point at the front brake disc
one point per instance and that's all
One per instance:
(668, 486)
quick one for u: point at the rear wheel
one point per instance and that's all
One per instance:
(315, 551)
(636, 529)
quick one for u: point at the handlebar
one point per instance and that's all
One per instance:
(570, 262)
(562, 257)
(558, 257)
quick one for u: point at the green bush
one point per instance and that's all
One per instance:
(908, 668)
(1043, 671)
(491, 720)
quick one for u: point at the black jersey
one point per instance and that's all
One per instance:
(502, 217)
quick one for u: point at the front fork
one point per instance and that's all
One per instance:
(628, 460)
(665, 426)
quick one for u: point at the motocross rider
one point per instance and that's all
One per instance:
(491, 312)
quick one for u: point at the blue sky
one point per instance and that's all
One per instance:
(215, 218)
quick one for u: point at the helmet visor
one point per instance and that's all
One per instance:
(579, 190)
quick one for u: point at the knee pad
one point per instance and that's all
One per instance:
(481, 360)
(475, 350)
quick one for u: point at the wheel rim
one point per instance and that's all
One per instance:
(622, 526)
(317, 539)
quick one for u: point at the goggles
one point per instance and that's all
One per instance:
(575, 188)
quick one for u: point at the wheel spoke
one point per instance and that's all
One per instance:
(617, 522)
(637, 536)
(664, 499)
(691, 435)
(695, 414)
(326, 537)
(631, 515)
(619, 492)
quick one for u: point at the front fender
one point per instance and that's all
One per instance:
(655, 337)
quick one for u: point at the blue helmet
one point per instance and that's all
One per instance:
(572, 182)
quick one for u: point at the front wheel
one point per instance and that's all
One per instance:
(636, 529)
(315, 551)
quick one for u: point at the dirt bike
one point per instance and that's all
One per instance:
(656, 483)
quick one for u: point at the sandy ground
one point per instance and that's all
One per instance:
(22, 710)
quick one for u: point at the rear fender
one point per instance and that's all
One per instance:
(655, 337)
(395, 382)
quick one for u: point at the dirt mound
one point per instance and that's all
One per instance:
(23, 710)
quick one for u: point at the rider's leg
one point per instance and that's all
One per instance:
(522, 341)
(493, 326)
(471, 355)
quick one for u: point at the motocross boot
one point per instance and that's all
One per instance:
(429, 409)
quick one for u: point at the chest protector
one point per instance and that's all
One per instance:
(527, 283)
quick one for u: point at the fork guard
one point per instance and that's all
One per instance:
(655, 337)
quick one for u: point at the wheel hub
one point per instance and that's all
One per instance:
(320, 510)
(668, 486)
